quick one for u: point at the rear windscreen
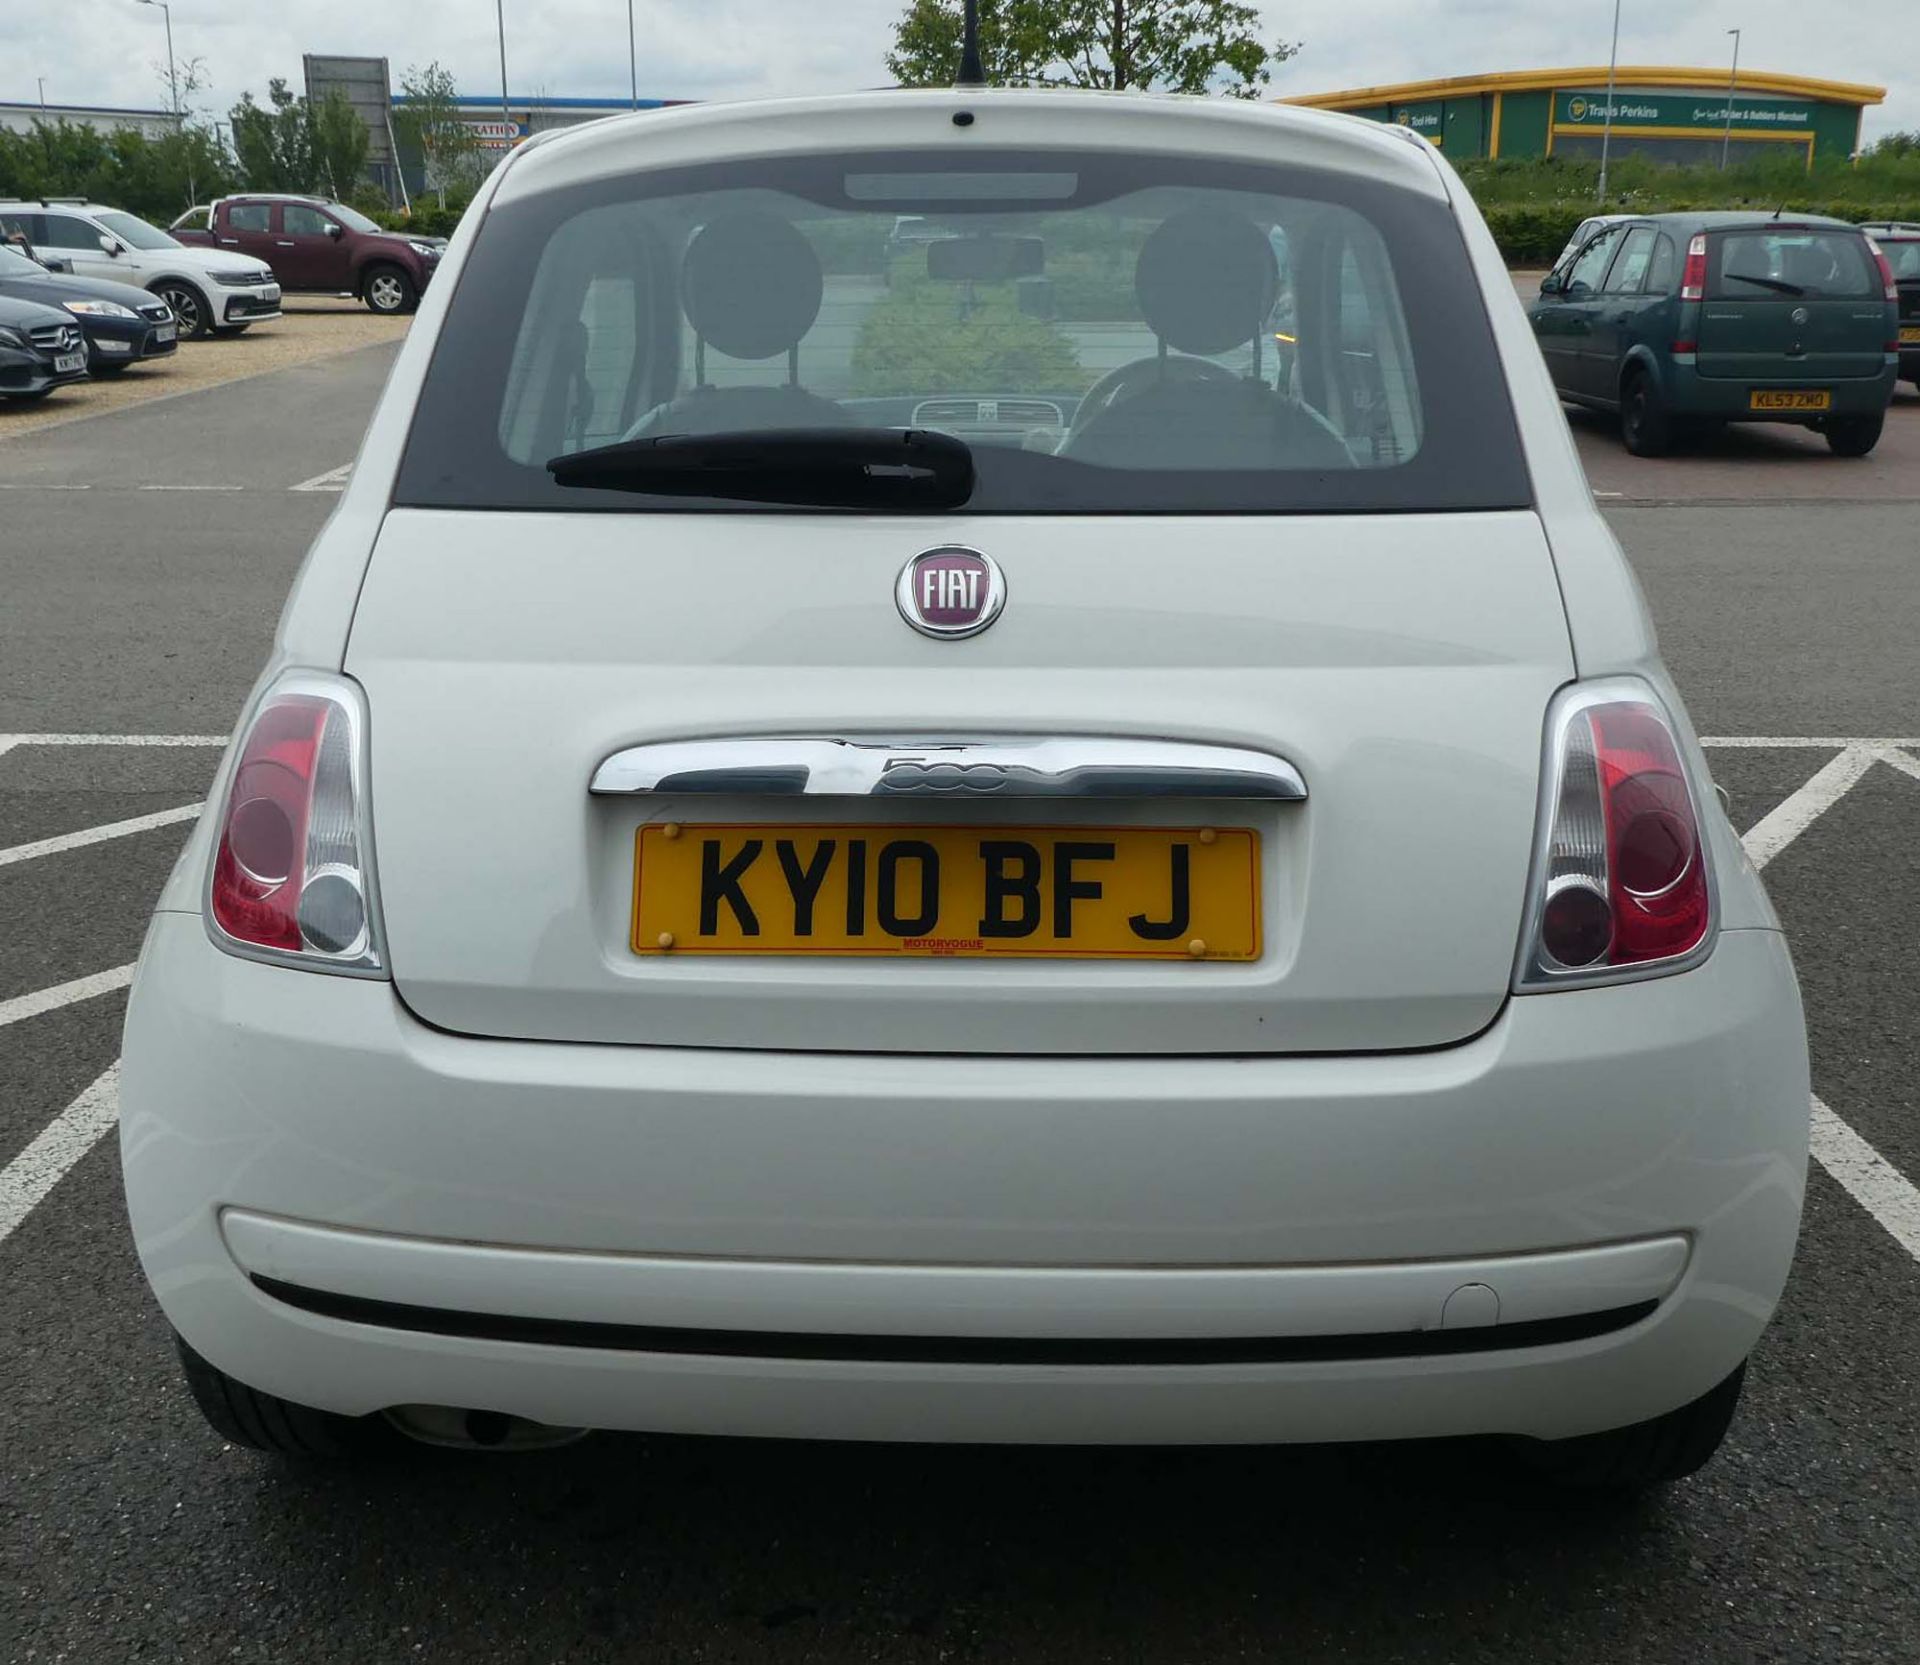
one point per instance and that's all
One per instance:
(1106, 333)
(1800, 264)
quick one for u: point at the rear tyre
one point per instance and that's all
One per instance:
(1854, 436)
(190, 309)
(1643, 1455)
(1646, 424)
(264, 1422)
(389, 291)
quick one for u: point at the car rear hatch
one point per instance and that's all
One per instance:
(1401, 664)
(1791, 304)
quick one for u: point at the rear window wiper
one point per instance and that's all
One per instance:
(1777, 284)
(852, 468)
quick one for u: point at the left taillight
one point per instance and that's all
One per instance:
(292, 877)
(1622, 884)
(1889, 285)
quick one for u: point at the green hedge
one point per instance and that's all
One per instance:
(1532, 233)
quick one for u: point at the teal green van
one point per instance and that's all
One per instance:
(1681, 322)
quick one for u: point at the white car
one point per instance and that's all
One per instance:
(1587, 229)
(210, 290)
(1201, 918)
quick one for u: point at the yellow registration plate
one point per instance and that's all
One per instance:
(1789, 398)
(1910, 335)
(1091, 893)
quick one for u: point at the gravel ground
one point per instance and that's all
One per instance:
(314, 327)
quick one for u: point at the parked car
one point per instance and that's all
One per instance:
(1900, 242)
(208, 290)
(1585, 230)
(122, 325)
(1690, 320)
(1215, 930)
(41, 348)
(321, 247)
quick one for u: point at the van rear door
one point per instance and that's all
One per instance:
(1792, 303)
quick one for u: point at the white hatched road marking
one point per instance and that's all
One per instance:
(1862, 1171)
(27, 1179)
(24, 1006)
(1873, 1182)
(1787, 820)
(335, 479)
(9, 741)
(98, 835)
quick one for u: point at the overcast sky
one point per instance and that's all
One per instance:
(106, 51)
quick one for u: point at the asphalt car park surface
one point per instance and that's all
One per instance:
(144, 558)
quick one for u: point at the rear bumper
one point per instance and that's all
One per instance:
(1727, 397)
(340, 1206)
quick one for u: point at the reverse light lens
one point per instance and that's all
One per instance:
(291, 873)
(1620, 884)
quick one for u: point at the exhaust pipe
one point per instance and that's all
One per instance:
(459, 1429)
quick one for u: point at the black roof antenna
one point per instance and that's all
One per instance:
(973, 73)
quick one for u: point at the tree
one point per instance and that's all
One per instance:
(1190, 46)
(431, 121)
(339, 142)
(1896, 144)
(275, 146)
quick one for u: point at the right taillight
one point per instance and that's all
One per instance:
(1621, 882)
(1693, 276)
(292, 875)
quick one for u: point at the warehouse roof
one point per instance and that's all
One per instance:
(1626, 75)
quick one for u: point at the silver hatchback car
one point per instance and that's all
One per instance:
(1052, 833)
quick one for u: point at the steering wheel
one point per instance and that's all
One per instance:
(1123, 383)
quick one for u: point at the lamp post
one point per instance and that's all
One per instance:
(500, 22)
(633, 64)
(43, 90)
(1606, 129)
(1733, 80)
(173, 81)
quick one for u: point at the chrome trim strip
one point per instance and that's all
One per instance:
(956, 770)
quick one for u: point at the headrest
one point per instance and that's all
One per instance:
(750, 284)
(1206, 280)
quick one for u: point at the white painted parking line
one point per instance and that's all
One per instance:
(1787, 820)
(1873, 1182)
(193, 488)
(9, 741)
(1809, 742)
(1900, 760)
(335, 479)
(23, 1006)
(59, 1145)
(41, 485)
(98, 835)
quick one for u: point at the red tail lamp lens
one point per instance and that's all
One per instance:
(1693, 276)
(1657, 879)
(259, 868)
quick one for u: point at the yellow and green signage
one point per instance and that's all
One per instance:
(1682, 112)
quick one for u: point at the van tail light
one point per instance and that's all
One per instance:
(1621, 883)
(292, 876)
(1888, 286)
(1693, 276)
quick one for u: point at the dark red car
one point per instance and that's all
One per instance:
(318, 247)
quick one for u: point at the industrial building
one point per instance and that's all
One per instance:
(1665, 113)
(102, 118)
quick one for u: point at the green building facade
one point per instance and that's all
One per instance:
(1667, 114)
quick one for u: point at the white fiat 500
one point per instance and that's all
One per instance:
(1070, 829)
